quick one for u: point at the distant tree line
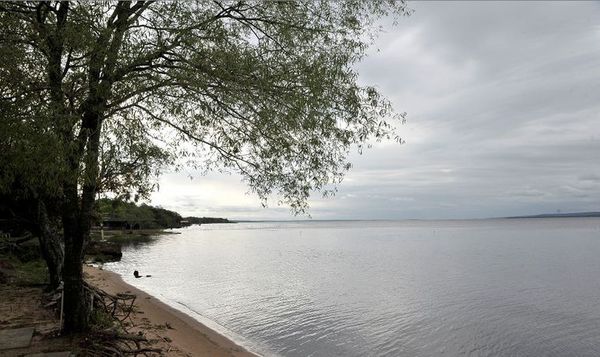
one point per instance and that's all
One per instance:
(205, 220)
(147, 216)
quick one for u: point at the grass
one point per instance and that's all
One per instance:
(100, 320)
(31, 272)
(34, 272)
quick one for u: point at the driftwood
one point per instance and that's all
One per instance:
(144, 350)
(112, 349)
(118, 306)
(112, 334)
(13, 243)
(117, 341)
(19, 240)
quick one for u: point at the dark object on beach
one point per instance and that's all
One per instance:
(110, 251)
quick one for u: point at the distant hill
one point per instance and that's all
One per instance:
(561, 215)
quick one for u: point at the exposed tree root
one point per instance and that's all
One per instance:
(115, 340)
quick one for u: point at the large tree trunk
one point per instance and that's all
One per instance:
(75, 308)
(77, 218)
(50, 246)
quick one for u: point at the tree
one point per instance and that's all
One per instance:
(28, 164)
(31, 162)
(264, 88)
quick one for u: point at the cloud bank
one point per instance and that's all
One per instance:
(503, 103)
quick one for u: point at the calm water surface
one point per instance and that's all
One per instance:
(518, 287)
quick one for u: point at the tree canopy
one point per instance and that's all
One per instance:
(100, 96)
(264, 88)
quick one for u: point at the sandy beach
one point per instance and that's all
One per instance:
(178, 333)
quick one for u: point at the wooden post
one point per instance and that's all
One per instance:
(62, 304)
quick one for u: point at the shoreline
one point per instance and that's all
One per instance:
(183, 336)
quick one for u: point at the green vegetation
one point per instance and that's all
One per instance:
(205, 220)
(33, 272)
(101, 96)
(120, 213)
(23, 265)
(101, 320)
(146, 216)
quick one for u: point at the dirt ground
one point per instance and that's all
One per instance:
(22, 306)
(25, 304)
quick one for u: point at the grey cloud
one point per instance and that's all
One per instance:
(503, 118)
(590, 177)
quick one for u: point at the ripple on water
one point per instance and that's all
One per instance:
(468, 288)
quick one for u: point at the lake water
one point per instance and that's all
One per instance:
(506, 287)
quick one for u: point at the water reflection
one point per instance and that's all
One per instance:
(418, 288)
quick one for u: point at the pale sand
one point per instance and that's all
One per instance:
(185, 337)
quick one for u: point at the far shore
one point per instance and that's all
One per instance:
(183, 336)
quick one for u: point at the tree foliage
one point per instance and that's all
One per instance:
(263, 88)
(149, 217)
(99, 96)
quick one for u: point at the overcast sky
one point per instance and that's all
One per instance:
(503, 103)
